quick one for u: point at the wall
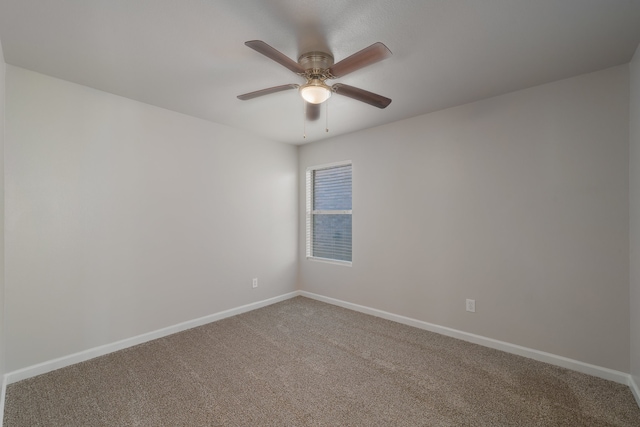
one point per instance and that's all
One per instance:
(634, 218)
(2, 114)
(519, 202)
(123, 218)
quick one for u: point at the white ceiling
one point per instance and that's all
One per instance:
(189, 55)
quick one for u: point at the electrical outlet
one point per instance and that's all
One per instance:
(255, 282)
(471, 305)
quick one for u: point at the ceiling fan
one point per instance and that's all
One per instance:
(316, 68)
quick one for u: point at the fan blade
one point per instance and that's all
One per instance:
(313, 111)
(361, 95)
(367, 56)
(267, 91)
(271, 53)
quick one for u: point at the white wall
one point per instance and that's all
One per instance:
(634, 217)
(519, 202)
(123, 218)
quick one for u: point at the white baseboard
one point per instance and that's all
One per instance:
(564, 362)
(635, 389)
(42, 368)
(61, 362)
(3, 394)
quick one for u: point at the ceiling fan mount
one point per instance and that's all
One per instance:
(317, 67)
(315, 62)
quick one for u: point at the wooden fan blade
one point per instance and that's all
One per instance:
(267, 91)
(367, 56)
(361, 95)
(313, 111)
(271, 53)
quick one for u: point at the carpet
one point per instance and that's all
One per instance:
(306, 363)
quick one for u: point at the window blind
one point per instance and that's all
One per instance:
(329, 194)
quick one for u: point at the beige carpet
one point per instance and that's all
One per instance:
(306, 363)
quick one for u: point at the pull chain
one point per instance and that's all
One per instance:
(304, 120)
(326, 115)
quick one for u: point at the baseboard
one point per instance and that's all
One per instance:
(3, 394)
(564, 362)
(51, 365)
(634, 386)
(42, 368)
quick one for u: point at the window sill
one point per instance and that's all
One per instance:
(330, 261)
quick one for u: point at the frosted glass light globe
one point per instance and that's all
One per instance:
(315, 92)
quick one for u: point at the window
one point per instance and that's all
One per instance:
(329, 212)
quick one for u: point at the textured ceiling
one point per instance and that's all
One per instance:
(189, 56)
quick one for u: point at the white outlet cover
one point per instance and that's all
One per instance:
(255, 283)
(471, 305)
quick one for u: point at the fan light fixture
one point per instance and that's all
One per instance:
(316, 67)
(315, 91)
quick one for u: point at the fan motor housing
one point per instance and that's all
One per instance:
(315, 61)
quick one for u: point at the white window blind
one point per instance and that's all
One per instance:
(329, 212)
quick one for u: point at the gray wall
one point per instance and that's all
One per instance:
(123, 218)
(2, 114)
(519, 202)
(634, 199)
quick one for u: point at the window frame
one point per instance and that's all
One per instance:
(309, 187)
